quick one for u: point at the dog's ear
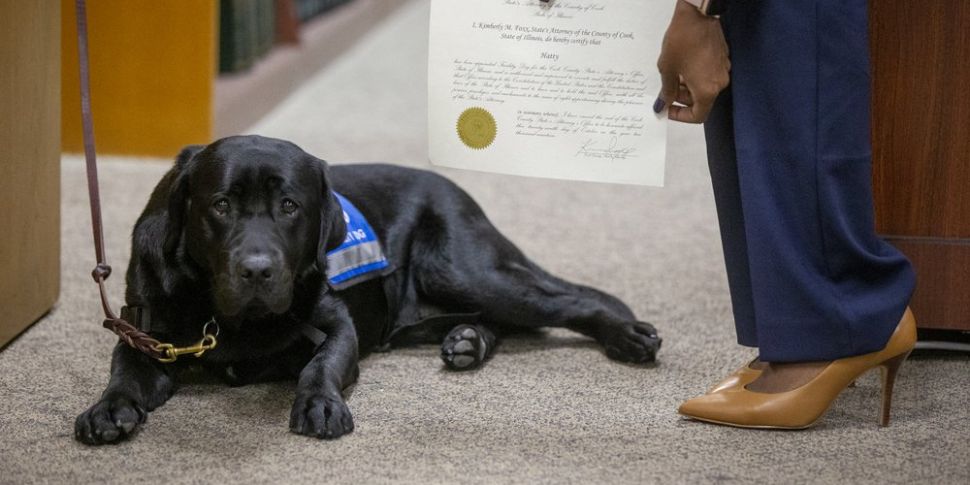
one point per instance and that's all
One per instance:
(178, 198)
(333, 229)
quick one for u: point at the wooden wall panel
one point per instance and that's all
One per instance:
(940, 300)
(30, 167)
(153, 65)
(921, 148)
(921, 111)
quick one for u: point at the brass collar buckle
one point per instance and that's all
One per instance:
(171, 352)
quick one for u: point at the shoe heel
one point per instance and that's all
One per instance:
(890, 369)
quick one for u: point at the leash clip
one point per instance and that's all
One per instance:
(171, 352)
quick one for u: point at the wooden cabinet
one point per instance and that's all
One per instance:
(921, 148)
(30, 168)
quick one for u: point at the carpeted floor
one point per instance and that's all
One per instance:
(548, 409)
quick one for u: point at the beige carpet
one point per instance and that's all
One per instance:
(544, 410)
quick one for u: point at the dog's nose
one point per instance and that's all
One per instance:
(256, 268)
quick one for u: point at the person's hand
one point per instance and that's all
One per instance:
(694, 65)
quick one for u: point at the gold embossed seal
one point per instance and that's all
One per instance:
(476, 128)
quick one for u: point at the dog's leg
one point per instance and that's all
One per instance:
(467, 346)
(524, 294)
(549, 301)
(138, 384)
(319, 409)
(513, 291)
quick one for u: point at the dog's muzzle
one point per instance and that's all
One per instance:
(257, 283)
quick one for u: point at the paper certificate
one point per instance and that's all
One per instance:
(560, 91)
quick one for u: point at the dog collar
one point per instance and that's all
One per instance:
(360, 257)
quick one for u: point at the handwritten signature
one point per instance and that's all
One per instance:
(612, 151)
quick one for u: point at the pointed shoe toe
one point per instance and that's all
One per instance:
(709, 407)
(727, 407)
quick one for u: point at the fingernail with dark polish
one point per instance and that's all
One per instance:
(658, 105)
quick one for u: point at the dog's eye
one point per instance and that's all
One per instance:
(221, 207)
(288, 206)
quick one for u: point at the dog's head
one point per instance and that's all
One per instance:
(255, 214)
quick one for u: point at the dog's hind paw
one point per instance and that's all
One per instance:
(635, 342)
(467, 346)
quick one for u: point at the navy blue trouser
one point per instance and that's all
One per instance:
(789, 152)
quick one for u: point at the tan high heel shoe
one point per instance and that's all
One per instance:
(801, 408)
(739, 378)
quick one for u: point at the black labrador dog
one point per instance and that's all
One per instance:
(238, 233)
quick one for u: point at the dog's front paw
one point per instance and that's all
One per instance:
(110, 420)
(321, 416)
(635, 342)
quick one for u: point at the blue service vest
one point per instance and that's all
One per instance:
(360, 257)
